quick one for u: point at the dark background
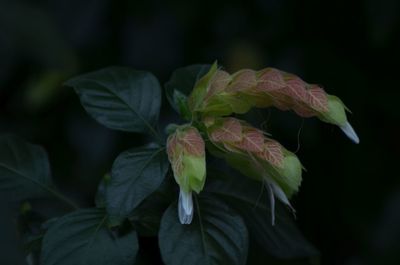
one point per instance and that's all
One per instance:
(349, 202)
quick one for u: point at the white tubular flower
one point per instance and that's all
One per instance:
(349, 132)
(185, 207)
(275, 191)
(186, 153)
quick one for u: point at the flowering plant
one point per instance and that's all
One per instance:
(204, 211)
(218, 94)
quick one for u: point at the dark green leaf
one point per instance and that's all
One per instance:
(147, 216)
(181, 84)
(283, 240)
(32, 238)
(24, 170)
(82, 238)
(135, 174)
(100, 199)
(46, 225)
(217, 235)
(10, 248)
(120, 98)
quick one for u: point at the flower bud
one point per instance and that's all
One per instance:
(186, 153)
(221, 94)
(249, 151)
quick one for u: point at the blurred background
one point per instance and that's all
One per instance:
(349, 202)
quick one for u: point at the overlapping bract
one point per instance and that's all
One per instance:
(248, 150)
(245, 148)
(186, 153)
(220, 94)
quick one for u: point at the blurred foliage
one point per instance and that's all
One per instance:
(347, 205)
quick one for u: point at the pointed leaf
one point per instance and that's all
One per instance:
(147, 216)
(216, 236)
(283, 240)
(24, 170)
(82, 238)
(182, 82)
(135, 174)
(201, 88)
(120, 98)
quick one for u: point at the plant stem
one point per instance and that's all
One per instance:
(64, 199)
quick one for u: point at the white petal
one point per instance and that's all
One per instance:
(281, 195)
(272, 201)
(185, 207)
(349, 131)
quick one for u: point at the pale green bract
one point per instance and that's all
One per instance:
(194, 170)
(221, 94)
(186, 153)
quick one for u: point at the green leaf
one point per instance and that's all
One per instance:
(24, 170)
(135, 174)
(10, 248)
(100, 199)
(146, 218)
(181, 84)
(283, 240)
(120, 98)
(82, 238)
(201, 88)
(217, 235)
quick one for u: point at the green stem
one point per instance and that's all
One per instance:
(155, 134)
(64, 199)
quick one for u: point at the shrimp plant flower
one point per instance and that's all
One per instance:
(186, 153)
(218, 95)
